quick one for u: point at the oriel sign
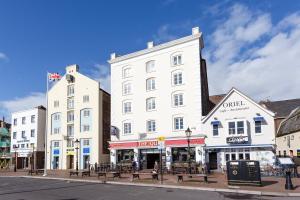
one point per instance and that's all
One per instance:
(237, 139)
(233, 106)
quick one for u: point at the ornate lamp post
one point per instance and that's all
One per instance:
(77, 148)
(188, 134)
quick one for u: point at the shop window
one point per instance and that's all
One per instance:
(125, 155)
(291, 153)
(233, 156)
(231, 126)
(215, 129)
(284, 153)
(241, 156)
(227, 157)
(257, 126)
(247, 156)
(180, 154)
(279, 153)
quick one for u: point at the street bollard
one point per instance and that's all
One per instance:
(288, 181)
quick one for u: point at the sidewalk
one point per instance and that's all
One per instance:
(273, 186)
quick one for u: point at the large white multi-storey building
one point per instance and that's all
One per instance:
(158, 91)
(77, 110)
(28, 137)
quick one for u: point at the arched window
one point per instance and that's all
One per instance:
(150, 66)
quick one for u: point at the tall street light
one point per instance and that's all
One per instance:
(188, 134)
(15, 148)
(77, 148)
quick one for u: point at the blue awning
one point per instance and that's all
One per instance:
(258, 118)
(215, 123)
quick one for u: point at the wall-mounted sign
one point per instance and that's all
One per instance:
(86, 150)
(237, 139)
(21, 141)
(148, 144)
(233, 106)
(56, 151)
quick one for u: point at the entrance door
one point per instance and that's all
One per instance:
(213, 161)
(70, 161)
(151, 158)
(86, 161)
(55, 162)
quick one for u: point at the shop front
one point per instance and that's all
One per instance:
(146, 153)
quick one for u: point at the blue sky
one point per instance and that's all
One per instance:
(251, 45)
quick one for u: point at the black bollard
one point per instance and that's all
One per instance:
(288, 181)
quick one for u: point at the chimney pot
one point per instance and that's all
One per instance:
(150, 44)
(195, 30)
(113, 56)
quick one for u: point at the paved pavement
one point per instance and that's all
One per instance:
(13, 188)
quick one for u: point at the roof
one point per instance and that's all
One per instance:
(158, 47)
(290, 124)
(227, 96)
(215, 99)
(281, 108)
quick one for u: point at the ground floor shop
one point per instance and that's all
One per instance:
(28, 160)
(217, 156)
(146, 153)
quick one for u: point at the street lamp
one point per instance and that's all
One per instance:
(77, 148)
(32, 159)
(15, 148)
(188, 134)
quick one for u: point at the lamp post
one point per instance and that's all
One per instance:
(188, 134)
(15, 148)
(32, 158)
(77, 148)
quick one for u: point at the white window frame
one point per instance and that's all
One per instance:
(177, 59)
(70, 90)
(151, 84)
(70, 102)
(215, 127)
(23, 120)
(178, 99)
(56, 104)
(177, 78)
(70, 116)
(86, 128)
(260, 126)
(180, 121)
(32, 118)
(127, 107)
(127, 88)
(86, 113)
(126, 72)
(23, 134)
(150, 66)
(32, 133)
(151, 104)
(151, 126)
(127, 128)
(14, 135)
(86, 98)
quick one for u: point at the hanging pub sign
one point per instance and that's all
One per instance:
(237, 139)
(243, 172)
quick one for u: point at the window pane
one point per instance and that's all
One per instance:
(231, 126)
(240, 127)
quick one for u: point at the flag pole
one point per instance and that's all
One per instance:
(46, 128)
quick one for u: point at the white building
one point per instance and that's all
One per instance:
(158, 91)
(239, 128)
(77, 110)
(28, 136)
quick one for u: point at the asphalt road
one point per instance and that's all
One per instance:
(41, 189)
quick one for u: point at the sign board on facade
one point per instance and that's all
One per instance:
(86, 150)
(161, 142)
(243, 172)
(237, 139)
(234, 106)
(148, 144)
(56, 151)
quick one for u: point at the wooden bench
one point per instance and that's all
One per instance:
(35, 171)
(74, 173)
(105, 174)
(137, 175)
(86, 173)
(180, 177)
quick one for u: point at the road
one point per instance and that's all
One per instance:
(41, 189)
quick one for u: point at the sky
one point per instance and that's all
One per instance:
(253, 45)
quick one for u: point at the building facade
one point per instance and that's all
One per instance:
(239, 129)
(5, 156)
(158, 91)
(288, 136)
(28, 137)
(78, 110)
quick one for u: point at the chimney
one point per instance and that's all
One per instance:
(150, 44)
(195, 30)
(72, 69)
(113, 56)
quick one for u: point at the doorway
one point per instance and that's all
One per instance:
(151, 158)
(213, 160)
(86, 161)
(55, 162)
(70, 161)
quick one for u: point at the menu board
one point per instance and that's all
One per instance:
(246, 172)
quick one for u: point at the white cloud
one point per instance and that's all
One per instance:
(164, 34)
(22, 103)
(101, 73)
(248, 52)
(3, 56)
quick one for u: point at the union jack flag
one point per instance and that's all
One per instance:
(54, 76)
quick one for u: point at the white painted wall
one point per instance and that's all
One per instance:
(164, 112)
